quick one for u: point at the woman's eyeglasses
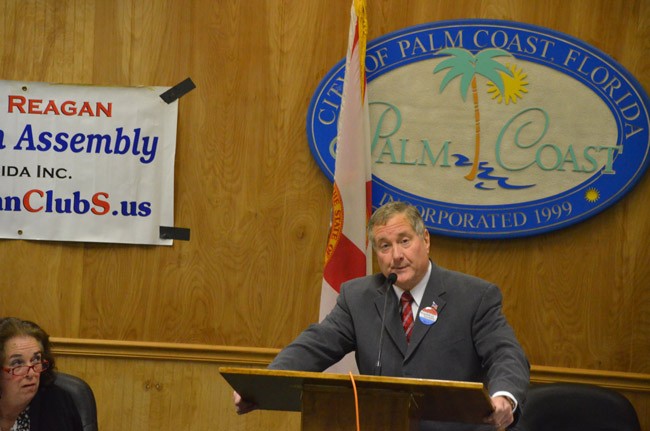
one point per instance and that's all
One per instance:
(23, 370)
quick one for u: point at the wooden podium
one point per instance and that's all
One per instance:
(385, 403)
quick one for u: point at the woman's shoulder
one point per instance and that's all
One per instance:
(53, 392)
(54, 408)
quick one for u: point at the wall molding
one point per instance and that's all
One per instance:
(635, 382)
(161, 351)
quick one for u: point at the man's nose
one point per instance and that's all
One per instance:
(396, 252)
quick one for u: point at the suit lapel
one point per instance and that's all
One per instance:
(392, 322)
(433, 294)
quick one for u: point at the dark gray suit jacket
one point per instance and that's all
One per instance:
(470, 341)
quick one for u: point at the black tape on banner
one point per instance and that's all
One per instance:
(179, 233)
(177, 91)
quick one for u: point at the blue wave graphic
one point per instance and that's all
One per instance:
(485, 174)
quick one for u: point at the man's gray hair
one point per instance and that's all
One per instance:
(390, 210)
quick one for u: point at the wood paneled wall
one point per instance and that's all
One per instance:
(156, 386)
(256, 202)
(165, 386)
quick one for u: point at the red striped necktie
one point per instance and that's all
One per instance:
(407, 314)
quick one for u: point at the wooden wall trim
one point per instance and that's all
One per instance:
(634, 382)
(162, 351)
(263, 356)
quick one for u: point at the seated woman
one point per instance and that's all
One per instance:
(28, 399)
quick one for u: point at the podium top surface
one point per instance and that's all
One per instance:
(282, 390)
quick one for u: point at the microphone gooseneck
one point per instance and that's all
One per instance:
(390, 280)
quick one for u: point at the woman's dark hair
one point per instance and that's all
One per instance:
(11, 327)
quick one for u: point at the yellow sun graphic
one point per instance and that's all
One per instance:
(514, 86)
(592, 195)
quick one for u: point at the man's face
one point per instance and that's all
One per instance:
(400, 250)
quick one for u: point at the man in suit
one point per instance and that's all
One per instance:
(456, 329)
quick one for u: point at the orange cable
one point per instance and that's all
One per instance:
(356, 400)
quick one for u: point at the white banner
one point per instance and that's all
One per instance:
(86, 163)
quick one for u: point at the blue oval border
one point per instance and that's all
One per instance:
(500, 221)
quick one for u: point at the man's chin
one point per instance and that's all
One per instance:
(404, 279)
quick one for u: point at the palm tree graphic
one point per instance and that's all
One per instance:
(466, 65)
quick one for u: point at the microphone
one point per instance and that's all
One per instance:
(390, 280)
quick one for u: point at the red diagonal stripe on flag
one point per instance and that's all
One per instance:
(347, 262)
